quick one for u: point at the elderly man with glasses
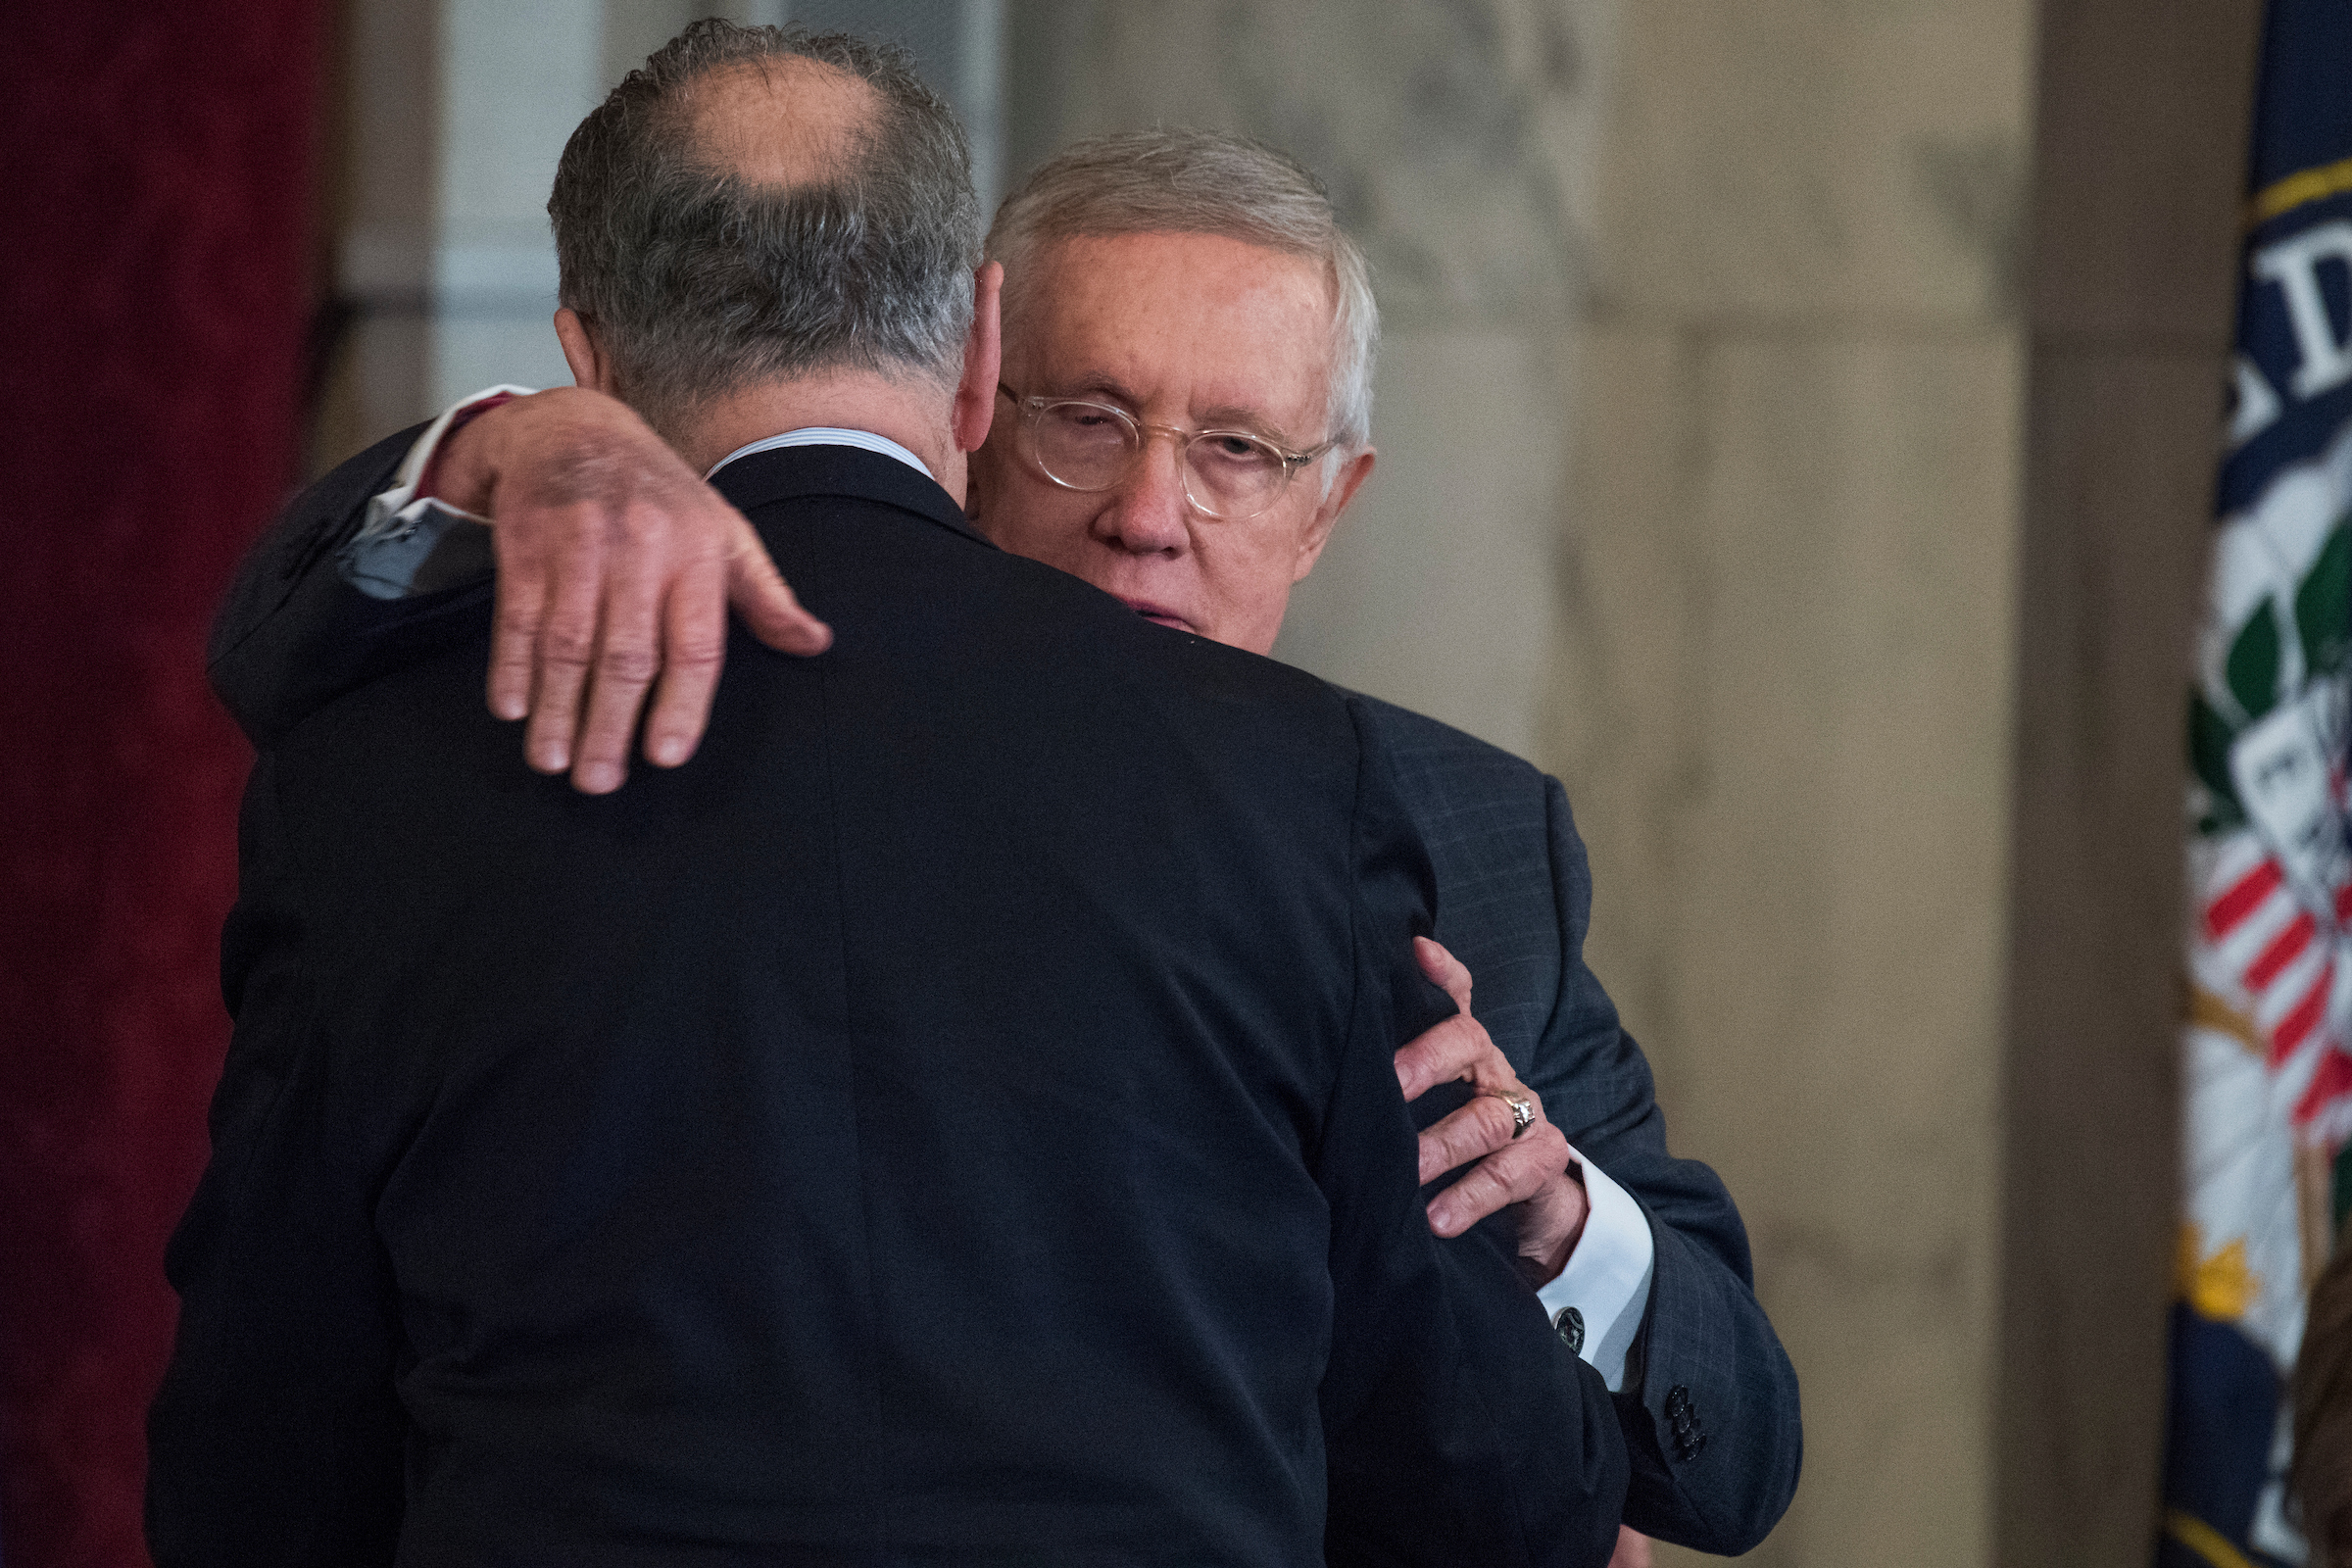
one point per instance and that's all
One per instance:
(1183, 417)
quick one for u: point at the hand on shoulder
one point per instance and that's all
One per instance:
(616, 565)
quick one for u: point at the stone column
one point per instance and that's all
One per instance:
(1894, 455)
(2139, 167)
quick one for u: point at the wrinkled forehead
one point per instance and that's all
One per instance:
(780, 121)
(1196, 323)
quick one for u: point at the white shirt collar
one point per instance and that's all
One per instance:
(827, 435)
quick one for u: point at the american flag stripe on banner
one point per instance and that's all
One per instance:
(2267, 1045)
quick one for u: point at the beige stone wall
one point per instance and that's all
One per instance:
(1783, 703)
(1803, 815)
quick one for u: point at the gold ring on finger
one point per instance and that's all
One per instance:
(1523, 1110)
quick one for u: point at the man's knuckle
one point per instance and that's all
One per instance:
(640, 527)
(629, 662)
(1463, 1041)
(1504, 1162)
(1479, 1059)
(516, 616)
(1462, 1146)
(697, 652)
(1480, 1186)
(1521, 1179)
(567, 647)
(1427, 1062)
(705, 531)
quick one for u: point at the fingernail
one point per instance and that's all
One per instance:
(599, 778)
(670, 750)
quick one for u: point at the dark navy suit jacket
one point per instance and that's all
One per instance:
(951, 1121)
(1710, 1404)
(1709, 1414)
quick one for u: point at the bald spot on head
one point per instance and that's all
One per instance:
(780, 123)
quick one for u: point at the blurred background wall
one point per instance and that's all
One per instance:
(155, 171)
(1796, 428)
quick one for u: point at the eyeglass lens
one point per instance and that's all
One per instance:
(1090, 446)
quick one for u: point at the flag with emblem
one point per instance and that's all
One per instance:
(2267, 1046)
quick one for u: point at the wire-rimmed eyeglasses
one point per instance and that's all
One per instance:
(1091, 447)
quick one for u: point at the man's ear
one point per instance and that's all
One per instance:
(591, 365)
(983, 360)
(1343, 486)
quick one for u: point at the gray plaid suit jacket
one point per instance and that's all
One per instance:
(1710, 1407)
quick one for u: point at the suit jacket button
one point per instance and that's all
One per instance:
(1571, 1324)
(1689, 1438)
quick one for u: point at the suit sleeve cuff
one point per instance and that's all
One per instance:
(1599, 1299)
(413, 544)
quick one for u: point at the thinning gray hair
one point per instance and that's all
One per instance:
(698, 282)
(1201, 183)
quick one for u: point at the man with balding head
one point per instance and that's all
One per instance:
(953, 1122)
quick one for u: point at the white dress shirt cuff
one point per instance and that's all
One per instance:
(1607, 1283)
(405, 546)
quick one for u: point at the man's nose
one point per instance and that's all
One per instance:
(1147, 515)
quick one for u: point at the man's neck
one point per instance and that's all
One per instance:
(911, 411)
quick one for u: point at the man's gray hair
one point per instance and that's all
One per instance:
(1201, 183)
(698, 281)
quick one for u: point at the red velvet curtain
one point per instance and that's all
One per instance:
(155, 178)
